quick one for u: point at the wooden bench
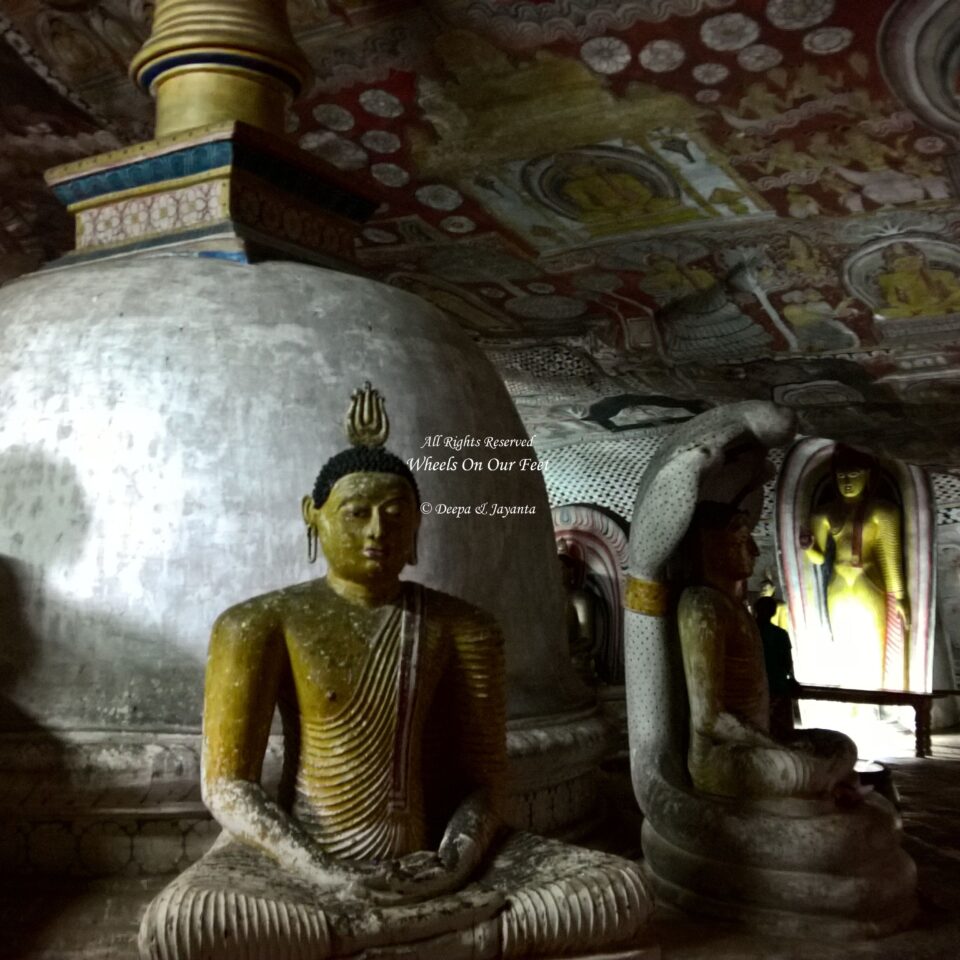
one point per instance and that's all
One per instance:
(922, 704)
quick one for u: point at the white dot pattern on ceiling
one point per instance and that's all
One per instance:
(605, 472)
(551, 374)
(946, 489)
(764, 528)
(946, 496)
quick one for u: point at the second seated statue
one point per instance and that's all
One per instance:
(732, 752)
(738, 824)
(384, 839)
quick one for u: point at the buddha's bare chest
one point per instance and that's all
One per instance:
(326, 668)
(744, 674)
(337, 659)
(855, 537)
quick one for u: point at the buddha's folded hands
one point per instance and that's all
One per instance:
(423, 875)
(354, 880)
(727, 728)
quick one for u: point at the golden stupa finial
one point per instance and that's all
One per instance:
(367, 423)
(208, 61)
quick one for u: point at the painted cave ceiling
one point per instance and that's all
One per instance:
(640, 208)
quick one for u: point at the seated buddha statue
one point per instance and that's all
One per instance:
(867, 602)
(738, 825)
(384, 838)
(731, 752)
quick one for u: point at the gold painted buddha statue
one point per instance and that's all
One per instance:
(731, 751)
(867, 601)
(384, 838)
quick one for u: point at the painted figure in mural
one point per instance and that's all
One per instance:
(457, 305)
(801, 205)
(867, 601)
(732, 751)
(761, 102)
(815, 322)
(500, 98)
(859, 147)
(929, 174)
(809, 82)
(847, 195)
(783, 155)
(600, 193)
(912, 288)
(804, 259)
(385, 831)
(669, 280)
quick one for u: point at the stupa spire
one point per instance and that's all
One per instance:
(219, 179)
(209, 61)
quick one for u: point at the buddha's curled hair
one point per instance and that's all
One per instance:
(360, 460)
(850, 458)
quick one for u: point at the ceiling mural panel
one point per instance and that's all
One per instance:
(697, 200)
(42, 125)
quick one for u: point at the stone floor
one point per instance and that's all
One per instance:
(99, 921)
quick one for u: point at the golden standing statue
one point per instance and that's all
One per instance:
(867, 600)
(386, 831)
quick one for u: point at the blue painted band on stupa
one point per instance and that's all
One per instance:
(149, 75)
(234, 150)
(193, 159)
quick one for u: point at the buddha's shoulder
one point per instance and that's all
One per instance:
(881, 510)
(457, 614)
(703, 601)
(265, 609)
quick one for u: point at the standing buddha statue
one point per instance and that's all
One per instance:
(385, 834)
(867, 601)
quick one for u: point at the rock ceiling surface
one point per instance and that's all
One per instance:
(640, 208)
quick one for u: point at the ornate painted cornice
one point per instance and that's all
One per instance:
(228, 188)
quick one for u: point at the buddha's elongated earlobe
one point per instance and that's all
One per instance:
(306, 508)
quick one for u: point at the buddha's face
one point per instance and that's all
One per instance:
(852, 481)
(908, 263)
(367, 527)
(730, 553)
